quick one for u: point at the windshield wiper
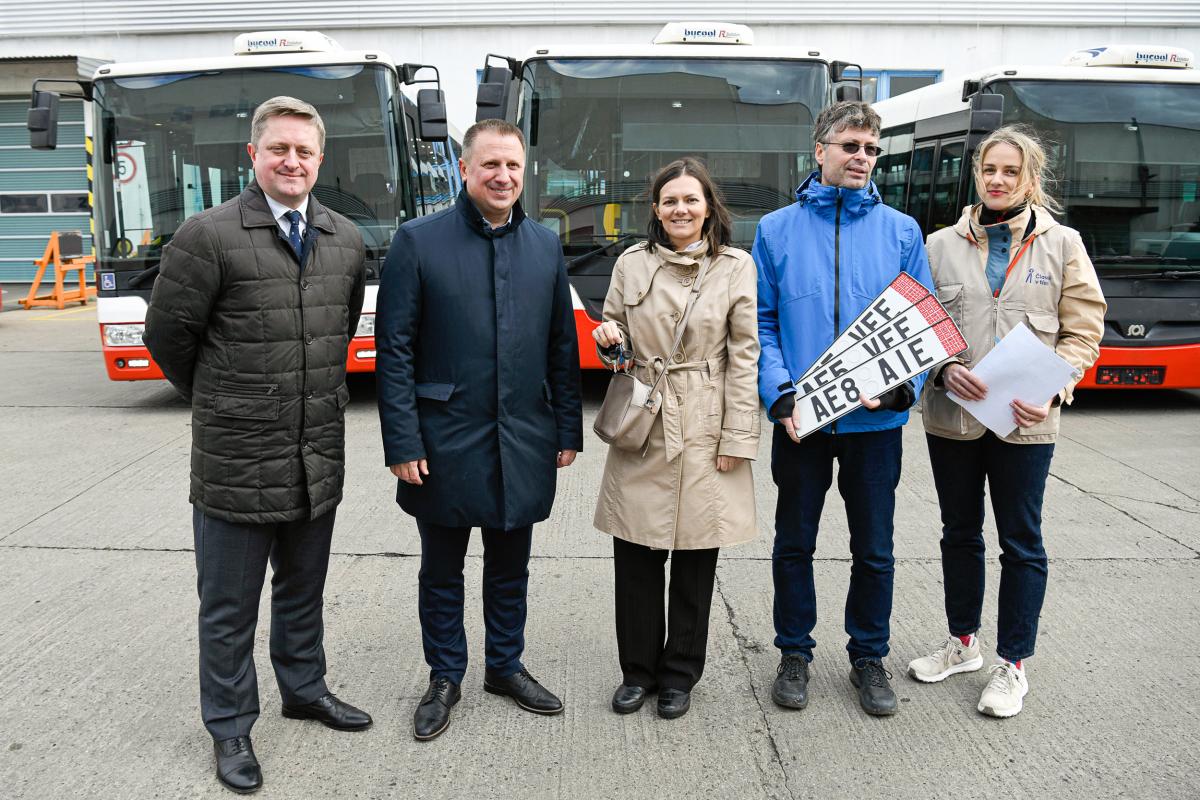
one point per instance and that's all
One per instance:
(1158, 273)
(140, 278)
(590, 254)
(1146, 259)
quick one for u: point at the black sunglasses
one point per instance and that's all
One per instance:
(852, 147)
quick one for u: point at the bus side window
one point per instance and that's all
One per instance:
(441, 182)
(893, 176)
(415, 167)
(946, 203)
(920, 185)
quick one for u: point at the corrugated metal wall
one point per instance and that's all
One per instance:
(84, 17)
(24, 171)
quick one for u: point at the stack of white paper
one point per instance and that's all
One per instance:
(1019, 367)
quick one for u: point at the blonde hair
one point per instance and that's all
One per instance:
(284, 106)
(1035, 173)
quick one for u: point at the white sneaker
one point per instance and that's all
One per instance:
(950, 657)
(1002, 697)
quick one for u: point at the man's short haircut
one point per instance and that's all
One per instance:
(496, 126)
(284, 106)
(846, 114)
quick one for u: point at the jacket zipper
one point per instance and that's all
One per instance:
(248, 389)
(837, 276)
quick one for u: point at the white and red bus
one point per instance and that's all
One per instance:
(601, 120)
(166, 139)
(1122, 125)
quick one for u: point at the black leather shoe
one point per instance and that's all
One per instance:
(332, 713)
(524, 688)
(433, 712)
(790, 689)
(628, 699)
(237, 767)
(875, 693)
(673, 703)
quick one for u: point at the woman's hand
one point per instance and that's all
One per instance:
(608, 334)
(963, 382)
(726, 463)
(1027, 415)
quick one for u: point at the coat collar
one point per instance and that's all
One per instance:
(479, 224)
(823, 199)
(257, 214)
(638, 281)
(688, 260)
(1033, 220)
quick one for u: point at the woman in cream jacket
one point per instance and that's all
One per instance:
(691, 492)
(1007, 262)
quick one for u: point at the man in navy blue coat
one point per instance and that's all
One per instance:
(479, 401)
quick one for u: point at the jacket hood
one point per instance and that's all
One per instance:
(257, 214)
(478, 223)
(822, 198)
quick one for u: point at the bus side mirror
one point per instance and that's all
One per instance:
(42, 120)
(431, 115)
(493, 98)
(848, 91)
(845, 88)
(987, 112)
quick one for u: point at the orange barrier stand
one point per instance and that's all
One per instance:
(65, 259)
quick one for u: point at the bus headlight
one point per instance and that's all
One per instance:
(123, 335)
(366, 326)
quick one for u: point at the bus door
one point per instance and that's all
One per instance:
(936, 192)
(920, 184)
(947, 198)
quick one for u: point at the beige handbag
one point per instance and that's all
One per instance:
(630, 406)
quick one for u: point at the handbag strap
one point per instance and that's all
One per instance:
(687, 312)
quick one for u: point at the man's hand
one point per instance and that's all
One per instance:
(868, 403)
(1026, 415)
(607, 334)
(792, 423)
(411, 471)
(566, 457)
(963, 382)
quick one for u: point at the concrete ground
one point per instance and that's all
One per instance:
(98, 653)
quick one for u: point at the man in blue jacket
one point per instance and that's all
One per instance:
(479, 400)
(821, 261)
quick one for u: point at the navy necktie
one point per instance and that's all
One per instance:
(294, 240)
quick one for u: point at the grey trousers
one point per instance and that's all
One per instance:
(231, 564)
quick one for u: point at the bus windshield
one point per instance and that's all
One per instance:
(599, 128)
(1126, 157)
(167, 146)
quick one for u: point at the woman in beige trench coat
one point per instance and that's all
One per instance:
(691, 492)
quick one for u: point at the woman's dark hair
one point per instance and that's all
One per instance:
(717, 230)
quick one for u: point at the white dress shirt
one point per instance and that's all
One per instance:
(278, 209)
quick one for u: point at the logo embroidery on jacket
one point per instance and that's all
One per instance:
(1032, 276)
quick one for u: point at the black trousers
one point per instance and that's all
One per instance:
(657, 652)
(440, 598)
(231, 564)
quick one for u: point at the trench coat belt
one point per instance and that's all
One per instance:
(672, 414)
(713, 366)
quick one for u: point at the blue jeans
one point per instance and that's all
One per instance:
(1016, 477)
(868, 473)
(440, 598)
